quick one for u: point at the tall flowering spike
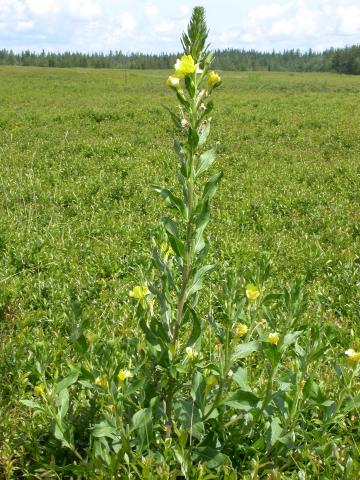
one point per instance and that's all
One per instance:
(181, 278)
(194, 40)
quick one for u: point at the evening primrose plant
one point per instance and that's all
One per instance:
(220, 385)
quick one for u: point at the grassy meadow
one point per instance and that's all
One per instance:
(78, 151)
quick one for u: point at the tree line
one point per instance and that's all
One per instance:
(341, 60)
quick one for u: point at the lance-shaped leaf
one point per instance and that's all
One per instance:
(173, 236)
(204, 131)
(203, 217)
(63, 402)
(182, 99)
(244, 350)
(211, 186)
(153, 339)
(193, 138)
(171, 199)
(104, 429)
(190, 87)
(196, 329)
(216, 327)
(179, 151)
(208, 109)
(197, 281)
(175, 118)
(205, 161)
(66, 382)
(242, 400)
(274, 432)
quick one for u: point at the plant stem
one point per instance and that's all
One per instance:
(187, 266)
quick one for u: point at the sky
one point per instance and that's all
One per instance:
(154, 26)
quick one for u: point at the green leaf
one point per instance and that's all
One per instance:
(274, 432)
(193, 138)
(150, 337)
(182, 99)
(183, 462)
(240, 377)
(173, 236)
(290, 338)
(272, 353)
(216, 327)
(103, 429)
(244, 350)
(175, 118)
(242, 400)
(142, 418)
(197, 388)
(197, 282)
(189, 416)
(196, 330)
(190, 87)
(209, 108)
(204, 131)
(63, 403)
(211, 186)
(171, 200)
(32, 404)
(205, 161)
(213, 457)
(203, 217)
(66, 382)
(352, 404)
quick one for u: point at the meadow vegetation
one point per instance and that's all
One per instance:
(79, 150)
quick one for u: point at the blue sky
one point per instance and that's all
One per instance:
(156, 25)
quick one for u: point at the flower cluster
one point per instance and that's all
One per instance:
(252, 292)
(352, 355)
(139, 292)
(241, 330)
(124, 375)
(274, 338)
(185, 66)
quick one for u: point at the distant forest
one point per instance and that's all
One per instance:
(341, 60)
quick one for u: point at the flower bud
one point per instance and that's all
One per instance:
(213, 78)
(173, 82)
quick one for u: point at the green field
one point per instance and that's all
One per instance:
(78, 151)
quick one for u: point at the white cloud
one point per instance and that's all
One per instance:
(151, 10)
(349, 18)
(84, 9)
(43, 7)
(281, 28)
(165, 26)
(24, 25)
(126, 22)
(155, 25)
(184, 10)
(265, 12)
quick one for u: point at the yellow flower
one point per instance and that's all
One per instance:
(211, 380)
(124, 375)
(241, 330)
(101, 381)
(139, 292)
(213, 78)
(191, 353)
(353, 356)
(165, 248)
(274, 338)
(90, 336)
(173, 82)
(39, 389)
(185, 66)
(252, 292)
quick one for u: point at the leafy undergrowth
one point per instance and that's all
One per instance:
(78, 152)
